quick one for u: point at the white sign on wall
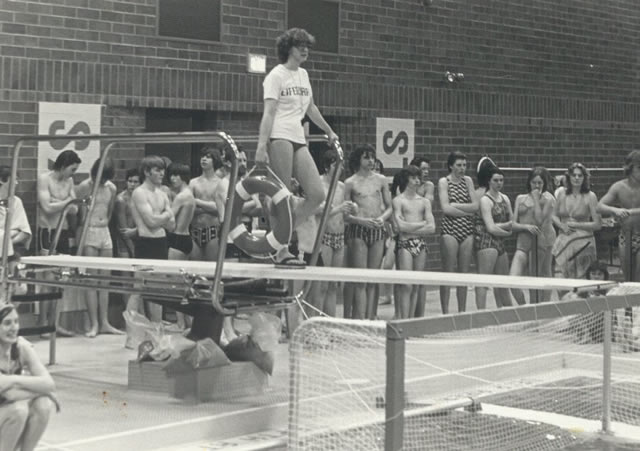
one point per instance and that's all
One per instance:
(395, 141)
(68, 119)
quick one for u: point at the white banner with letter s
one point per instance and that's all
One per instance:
(68, 119)
(395, 141)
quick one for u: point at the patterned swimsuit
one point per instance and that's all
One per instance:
(484, 239)
(459, 227)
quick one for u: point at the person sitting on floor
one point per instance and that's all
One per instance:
(26, 388)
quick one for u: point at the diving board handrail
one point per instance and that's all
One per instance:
(146, 138)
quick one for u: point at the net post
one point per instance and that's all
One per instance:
(606, 373)
(394, 392)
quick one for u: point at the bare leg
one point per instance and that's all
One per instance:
(91, 297)
(359, 251)
(503, 297)
(419, 263)
(465, 254)
(518, 265)
(486, 265)
(349, 288)
(306, 172)
(375, 253)
(404, 261)
(449, 255)
(37, 421)
(13, 420)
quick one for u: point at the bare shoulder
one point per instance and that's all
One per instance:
(350, 180)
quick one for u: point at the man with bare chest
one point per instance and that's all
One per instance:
(153, 216)
(55, 191)
(623, 201)
(365, 233)
(125, 224)
(206, 222)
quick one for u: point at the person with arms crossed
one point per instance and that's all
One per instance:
(414, 219)
(125, 224)
(153, 217)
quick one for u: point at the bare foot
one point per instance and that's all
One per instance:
(62, 332)
(92, 333)
(109, 329)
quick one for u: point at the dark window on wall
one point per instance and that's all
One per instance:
(321, 18)
(189, 19)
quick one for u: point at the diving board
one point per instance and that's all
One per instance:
(269, 271)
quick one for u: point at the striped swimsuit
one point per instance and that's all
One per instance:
(459, 227)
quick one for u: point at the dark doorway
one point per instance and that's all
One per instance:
(167, 120)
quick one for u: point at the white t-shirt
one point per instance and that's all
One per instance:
(19, 222)
(293, 92)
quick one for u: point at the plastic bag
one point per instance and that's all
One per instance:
(171, 346)
(207, 354)
(204, 354)
(265, 330)
(139, 329)
(244, 349)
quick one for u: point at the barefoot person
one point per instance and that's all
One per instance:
(623, 201)
(282, 144)
(55, 191)
(26, 388)
(183, 206)
(206, 218)
(123, 216)
(493, 226)
(153, 217)
(365, 234)
(414, 220)
(536, 235)
(98, 242)
(576, 217)
(459, 205)
(332, 248)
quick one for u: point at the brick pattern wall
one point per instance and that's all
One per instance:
(545, 82)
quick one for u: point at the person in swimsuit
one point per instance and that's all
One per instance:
(622, 200)
(459, 203)
(153, 216)
(533, 223)
(493, 225)
(98, 242)
(206, 218)
(55, 191)
(288, 97)
(183, 206)
(427, 188)
(124, 220)
(332, 247)
(576, 217)
(26, 387)
(365, 233)
(413, 216)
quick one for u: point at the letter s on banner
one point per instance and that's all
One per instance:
(395, 141)
(72, 119)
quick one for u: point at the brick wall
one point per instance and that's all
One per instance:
(545, 82)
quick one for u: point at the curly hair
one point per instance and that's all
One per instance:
(586, 184)
(633, 159)
(293, 37)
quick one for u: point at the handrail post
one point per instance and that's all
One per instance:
(606, 373)
(394, 392)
